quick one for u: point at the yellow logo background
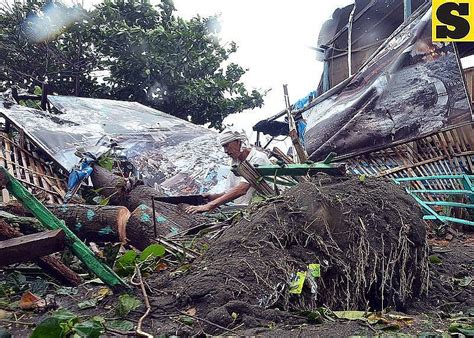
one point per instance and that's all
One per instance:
(437, 22)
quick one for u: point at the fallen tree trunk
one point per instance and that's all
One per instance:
(121, 191)
(169, 220)
(141, 194)
(111, 186)
(94, 222)
(50, 264)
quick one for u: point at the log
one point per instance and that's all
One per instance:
(111, 186)
(95, 223)
(50, 264)
(141, 194)
(170, 220)
(27, 225)
(28, 247)
(16, 208)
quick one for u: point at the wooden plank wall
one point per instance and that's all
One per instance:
(35, 174)
(448, 152)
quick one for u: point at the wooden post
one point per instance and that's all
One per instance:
(300, 151)
(44, 96)
(406, 9)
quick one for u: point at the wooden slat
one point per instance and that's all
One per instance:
(442, 153)
(29, 247)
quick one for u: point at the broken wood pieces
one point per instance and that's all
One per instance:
(248, 171)
(50, 221)
(26, 248)
(50, 264)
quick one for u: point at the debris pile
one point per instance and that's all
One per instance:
(367, 237)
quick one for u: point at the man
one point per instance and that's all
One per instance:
(238, 189)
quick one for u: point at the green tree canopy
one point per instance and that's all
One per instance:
(146, 52)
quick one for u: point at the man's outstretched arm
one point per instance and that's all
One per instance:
(237, 191)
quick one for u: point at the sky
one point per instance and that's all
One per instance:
(274, 39)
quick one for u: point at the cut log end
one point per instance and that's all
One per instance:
(123, 215)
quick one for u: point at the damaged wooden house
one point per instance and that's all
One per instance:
(149, 154)
(393, 104)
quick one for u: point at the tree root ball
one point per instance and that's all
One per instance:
(368, 238)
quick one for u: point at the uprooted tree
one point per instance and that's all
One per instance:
(143, 52)
(368, 238)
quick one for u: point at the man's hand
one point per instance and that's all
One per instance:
(194, 209)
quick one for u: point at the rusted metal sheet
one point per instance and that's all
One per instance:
(374, 21)
(410, 88)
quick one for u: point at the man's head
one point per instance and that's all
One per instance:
(232, 143)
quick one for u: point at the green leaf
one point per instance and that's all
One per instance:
(186, 320)
(47, 328)
(99, 319)
(126, 304)
(58, 325)
(313, 317)
(111, 251)
(37, 90)
(106, 162)
(88, 328)
(154, 250)
(63, 315)
(104, 201)
(435, 259)
(122, 325)
(87, 304)
(465, 329)
(125, 265)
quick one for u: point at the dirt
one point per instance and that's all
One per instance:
(451, 285)
(369, 239)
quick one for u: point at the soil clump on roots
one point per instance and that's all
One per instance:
(368, 237)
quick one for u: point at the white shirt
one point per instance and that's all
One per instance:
(254, 157)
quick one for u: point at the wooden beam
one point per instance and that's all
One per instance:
(28, 248)
(44, 96)
(54, 267)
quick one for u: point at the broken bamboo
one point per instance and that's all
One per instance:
(247, 171)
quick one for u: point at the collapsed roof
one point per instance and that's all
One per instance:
(374, 21)
(181, 157)
(409, 88)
